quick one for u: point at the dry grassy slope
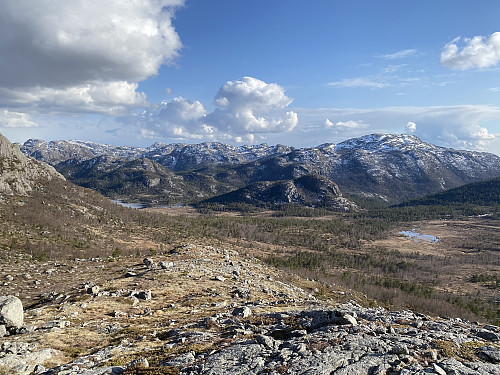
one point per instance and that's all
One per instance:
(201, 282)
(190, 317)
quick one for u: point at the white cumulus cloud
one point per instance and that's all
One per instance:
(92, 52)
(478, 52)
(244, 108)
(180, 119)
(249, 106)
(107, 98)
(411, 127)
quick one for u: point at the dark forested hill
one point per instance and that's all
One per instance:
(484, 193)
(308, 190)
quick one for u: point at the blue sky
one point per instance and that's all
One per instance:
(291, 72)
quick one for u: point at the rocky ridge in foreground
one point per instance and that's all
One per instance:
(202, 310)
(20, 174)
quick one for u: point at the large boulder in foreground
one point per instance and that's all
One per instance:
(11, 312)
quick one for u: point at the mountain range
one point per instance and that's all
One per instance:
(385, 167)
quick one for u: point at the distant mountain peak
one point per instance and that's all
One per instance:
(383, 142)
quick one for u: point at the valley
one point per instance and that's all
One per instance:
(81, 286)
(249, 187)
(108, 289)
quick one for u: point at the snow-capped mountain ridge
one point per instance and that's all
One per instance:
(393, 167)
(54, 152)
(385, 142)
(176, 156)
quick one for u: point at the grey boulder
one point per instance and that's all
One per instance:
(11, 312)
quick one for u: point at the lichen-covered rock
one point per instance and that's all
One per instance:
(11, 312)
(316, 319)
(25, 362)
(239, 359)
(490, 353)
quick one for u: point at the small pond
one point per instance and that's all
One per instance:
(417, 237)
(129, 205)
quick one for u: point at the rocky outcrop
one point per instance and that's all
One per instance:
(23, 358)
(349, 339)
(233, 315)
(353, 340)
(20, 174)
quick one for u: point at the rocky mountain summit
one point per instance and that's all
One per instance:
(387, 167)
(393, 167)
(20, 174)
(198, 309)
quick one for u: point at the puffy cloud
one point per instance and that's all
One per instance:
(108, 98)
(479, 51)
(252, 92)
(15, 120)
(180, 118)
(90, 54)
(244, 107)
(58, 42)
(250, 106)
(182, 111)
(411, 127)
